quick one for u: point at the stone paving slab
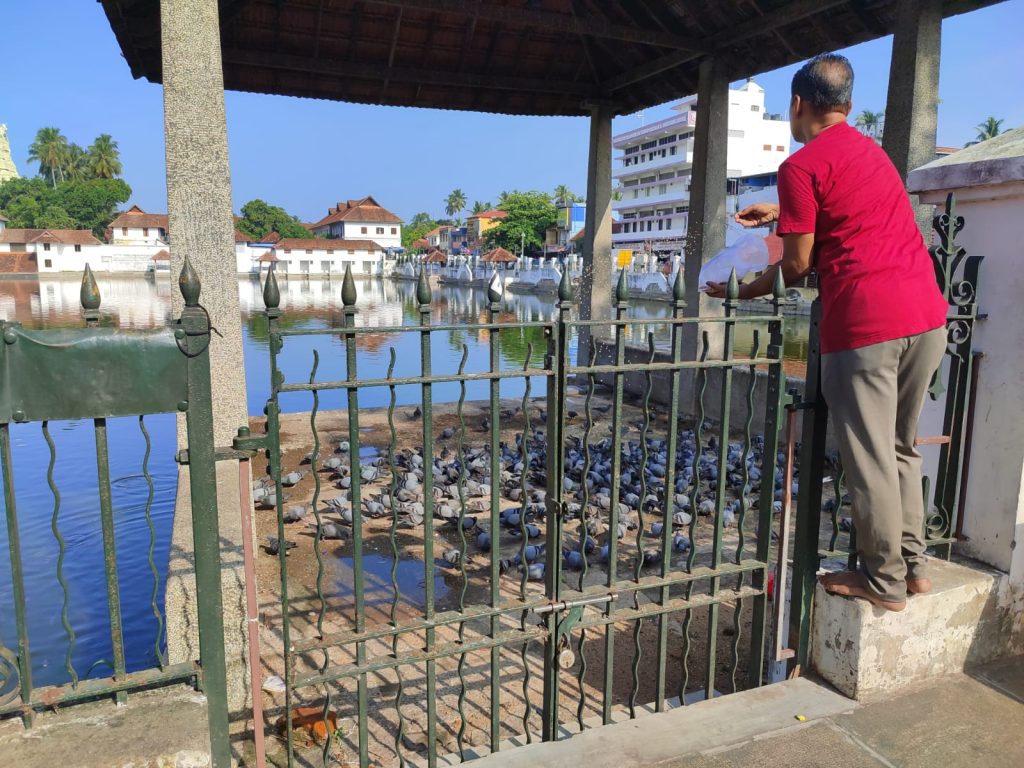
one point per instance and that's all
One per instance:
(163, 728)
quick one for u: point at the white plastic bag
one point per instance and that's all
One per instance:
(748, 254)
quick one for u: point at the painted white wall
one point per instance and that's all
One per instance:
(330, 260)
(138, 236)
(390, 235)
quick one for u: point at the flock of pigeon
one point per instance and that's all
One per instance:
(393, 487)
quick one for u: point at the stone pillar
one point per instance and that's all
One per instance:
(201, 225)
(706, 227)
(596, 277)
(988, 181)
(911, 108)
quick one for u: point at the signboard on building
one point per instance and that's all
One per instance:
(625, 256)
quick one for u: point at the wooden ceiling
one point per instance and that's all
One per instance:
(529, 57)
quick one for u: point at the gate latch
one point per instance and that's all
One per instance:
(573, 612)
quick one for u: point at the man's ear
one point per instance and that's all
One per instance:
(798, 105)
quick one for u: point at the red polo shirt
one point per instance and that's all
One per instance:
(876, 278)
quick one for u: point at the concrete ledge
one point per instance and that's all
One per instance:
(866, 651)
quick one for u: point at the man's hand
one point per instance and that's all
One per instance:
(758, 215)
(718, 290)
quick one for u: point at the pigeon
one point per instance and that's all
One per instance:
(272, 547)
(452, 556)
(295, 513)
(680, 543)
(292, 478)
(333, 531)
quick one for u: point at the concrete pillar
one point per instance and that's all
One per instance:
(706, 228)
(911, 108)
(201, 225)
(596, 277)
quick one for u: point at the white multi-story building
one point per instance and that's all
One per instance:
(52, 250)
(361, 220)
(322, 256)
(652, 173)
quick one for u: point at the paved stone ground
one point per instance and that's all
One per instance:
(973, 719)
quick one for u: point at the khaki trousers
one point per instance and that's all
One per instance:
(874, 396)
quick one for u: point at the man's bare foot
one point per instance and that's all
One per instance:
(852, 584)
(919, 586)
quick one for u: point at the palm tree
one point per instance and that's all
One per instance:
(49, 150)
(988, 129)
(870, 121)
(75, 164)
(455, 202)
(104, 157)
(480, 207)
(564, 195)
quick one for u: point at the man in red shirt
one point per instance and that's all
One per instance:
(843, 211)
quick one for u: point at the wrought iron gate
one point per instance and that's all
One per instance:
(503, 656)
(95, 374)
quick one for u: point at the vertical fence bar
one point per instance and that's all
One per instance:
(348, 299)
(621, 305)
(494, 294)
(668, 504)
(193, 335)
(766, 505)
(557, 362)
(17, 576)
(808, 520)
(424, 298)
(732, 293)
(110, 554)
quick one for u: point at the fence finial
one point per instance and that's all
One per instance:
(565, 292)
(779, 288)
(189, 285)
(271, 292)
(348, 288)
(90, 292)
(495, 288)
(732, 289)
(621, 288)
(423, 293)
(679, 286)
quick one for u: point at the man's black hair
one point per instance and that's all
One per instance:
(825, 83)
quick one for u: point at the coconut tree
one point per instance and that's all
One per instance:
(49, 150)
(988, 129)
(564, 195)
(479, 206)
(455, 202)
(75, 164)
(870, 121)
(104, 157)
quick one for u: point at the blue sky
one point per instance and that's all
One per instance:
(306, 155)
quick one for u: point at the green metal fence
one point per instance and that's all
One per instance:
(562, 604)
(95, 374)
(824, 529)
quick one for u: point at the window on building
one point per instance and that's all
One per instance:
(351, 251)
(325, 266)
(47, 263)
(662, 189)
(780, 148)
(367, 267)
(287, 250)
(767, 147)
(671, 150)
(362, 230)
(305, 265)
(394, 230)
(736, 134)
(309, 250)
(668, 223)
(124, 231)
(330, 251)
(380, 230)
(78, 248)
(145, 231)
(46, 246)
(754, 108)
(650, 225)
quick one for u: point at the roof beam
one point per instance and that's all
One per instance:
(555, 22)
(753, 27)
(289, 62)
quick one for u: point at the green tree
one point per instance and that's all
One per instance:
(55, 217)
(104, 158)
(564, 195)
(480, 207)
(49, 150)
(870, 121)
(259, 219)
(988, 130)
(22, 212)
(455, 202)
(416, 228)
(529, 214)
